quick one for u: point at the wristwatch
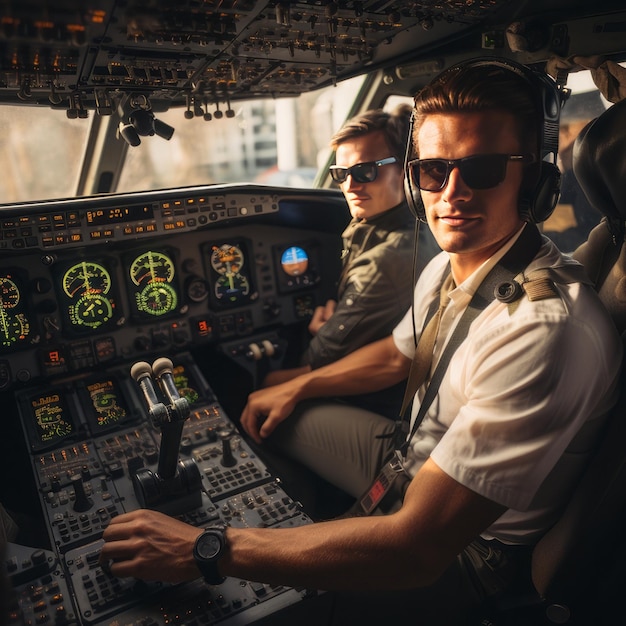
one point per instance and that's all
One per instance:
(207, 550)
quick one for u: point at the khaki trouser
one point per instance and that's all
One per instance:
(347, 446)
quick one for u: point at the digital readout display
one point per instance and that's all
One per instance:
(52, 422)
(185, 385)
(99, 217)
(107, 406)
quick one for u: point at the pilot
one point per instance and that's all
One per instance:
(502, 442)
(378, 247)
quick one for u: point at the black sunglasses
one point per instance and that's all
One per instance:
(361, 172)
(480, 171)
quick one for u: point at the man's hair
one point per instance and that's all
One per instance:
(394, 125)
(475, 88)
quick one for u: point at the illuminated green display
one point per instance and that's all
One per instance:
(152, 274)
(87, 285)
(14, 326)
(52, 423)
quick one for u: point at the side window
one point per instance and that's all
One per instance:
(574, 216)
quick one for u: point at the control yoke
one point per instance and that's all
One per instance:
(176, 485)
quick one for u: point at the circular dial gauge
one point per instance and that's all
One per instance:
(86, 277)
(153, 272)
(9, 293)
(157, 299)
(294, 261)
(87, 284)
(197, 289)
(227, 259)
(231, 287)
(152, 267)
(91, 310)
(13, 328)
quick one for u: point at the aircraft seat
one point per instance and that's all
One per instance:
(579, 567)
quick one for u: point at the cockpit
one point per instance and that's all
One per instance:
(166, 200)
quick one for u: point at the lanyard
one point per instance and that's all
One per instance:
(498, 281)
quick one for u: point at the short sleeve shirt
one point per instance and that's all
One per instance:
(523, 396)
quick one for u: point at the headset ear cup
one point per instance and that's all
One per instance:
(542, 201)
(414, 198)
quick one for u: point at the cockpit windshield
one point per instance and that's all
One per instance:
(281, 141)
(42, 153)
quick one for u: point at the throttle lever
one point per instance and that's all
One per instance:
(163, 370)
(176, 485)
(141, 372)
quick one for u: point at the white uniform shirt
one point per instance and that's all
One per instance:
(516, 392)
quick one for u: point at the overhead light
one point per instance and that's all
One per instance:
(162, 129)
(141, 122)
(128, 134)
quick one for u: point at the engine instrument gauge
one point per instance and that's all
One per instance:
(91, 310)
(87, 285)
(106, 406)
(152, 273)
(9, 293)
(158, 299)
(86, 277)
(13, 328)
(14, 325)
(187, 388)
(51, 421)
(151, 267)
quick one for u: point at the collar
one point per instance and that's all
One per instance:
(396, 218)
(471, 284)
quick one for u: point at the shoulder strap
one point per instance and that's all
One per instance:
(521, 253)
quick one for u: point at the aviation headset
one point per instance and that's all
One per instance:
(542, 179)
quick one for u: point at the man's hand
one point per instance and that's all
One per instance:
(266, 409)
(149, 545)
(321, 315)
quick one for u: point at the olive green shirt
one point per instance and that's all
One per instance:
(375, 287)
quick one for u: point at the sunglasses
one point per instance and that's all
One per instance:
(480, 171)
(361, 172)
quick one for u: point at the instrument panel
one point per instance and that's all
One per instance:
(96, 453)
(91, 282)
(89, 287)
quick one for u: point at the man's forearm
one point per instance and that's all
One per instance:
(371, 368)
(357, 553)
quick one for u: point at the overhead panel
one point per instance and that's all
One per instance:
(81, 55)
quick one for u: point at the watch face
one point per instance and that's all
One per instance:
(208, 546)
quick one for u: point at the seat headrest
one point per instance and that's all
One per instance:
(599, 161)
